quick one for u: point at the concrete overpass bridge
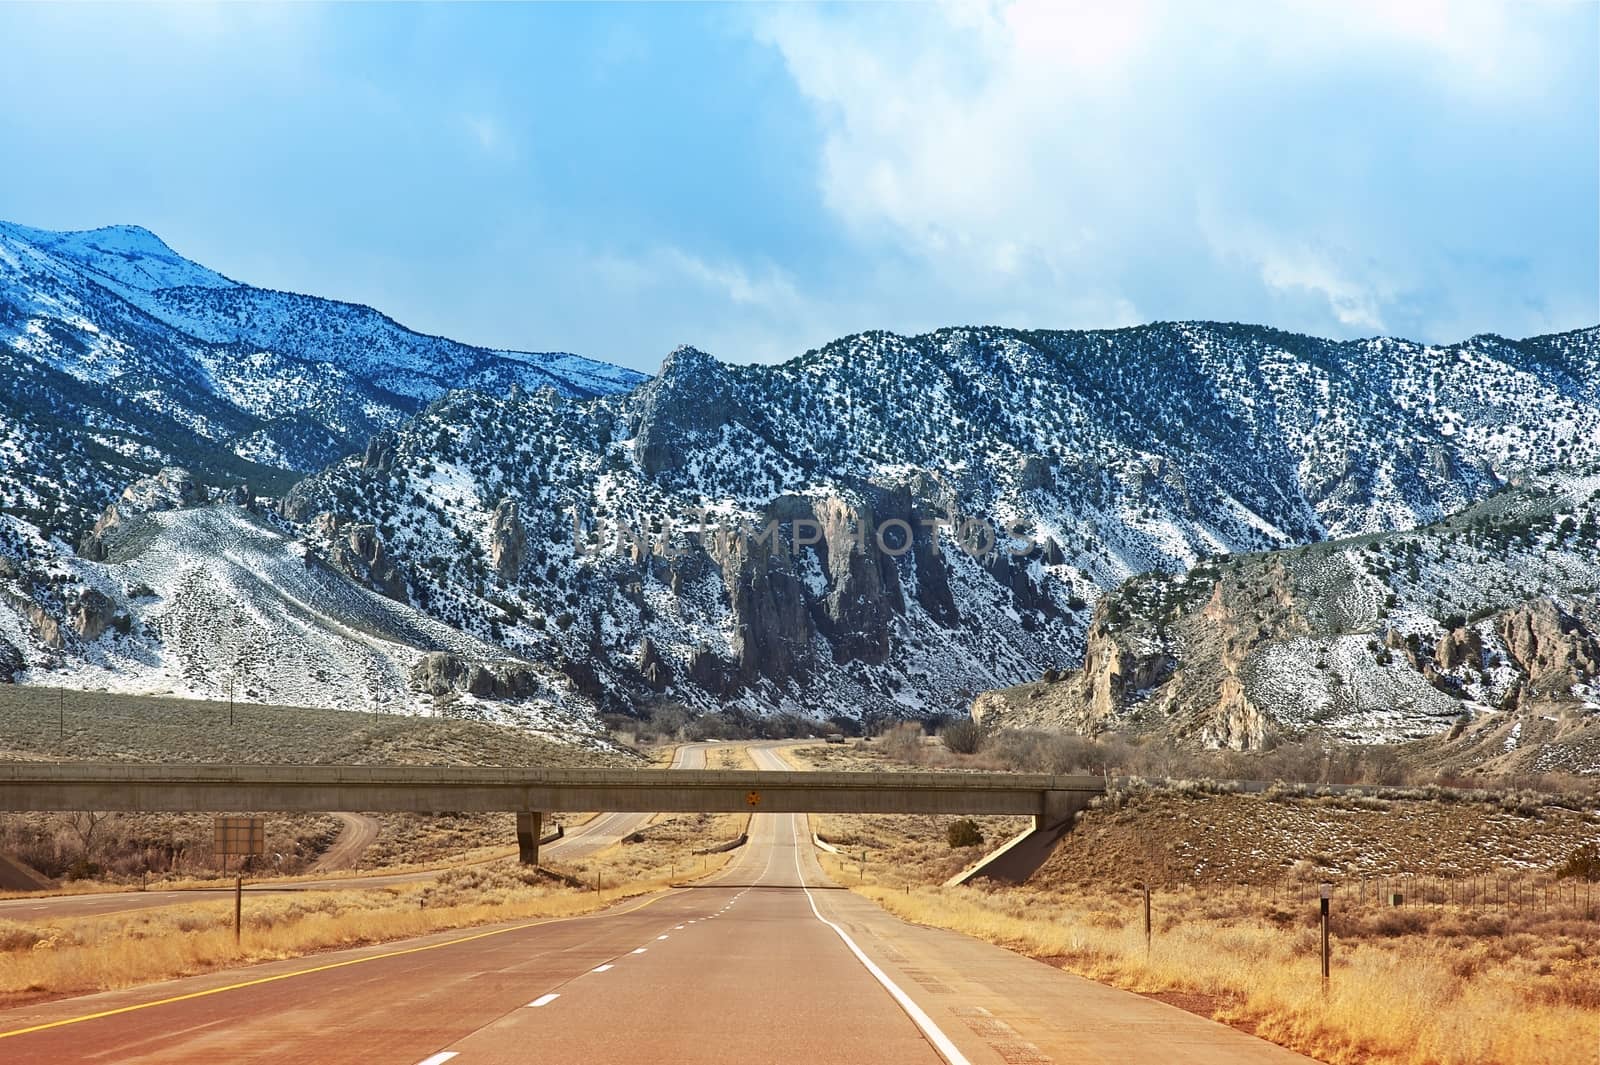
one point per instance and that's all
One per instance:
(531, 792)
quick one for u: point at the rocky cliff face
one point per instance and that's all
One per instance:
(356, 550)
(1553, 643)
(1166, 655)
(508, 540)
(598, 533)
(1471, 626)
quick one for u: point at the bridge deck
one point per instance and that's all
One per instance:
(421, 789)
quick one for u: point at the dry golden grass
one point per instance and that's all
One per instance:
(81, 955)
(1235, 916)
(1428, 984)
(1417, 1000)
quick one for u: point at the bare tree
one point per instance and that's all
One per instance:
(84, 823)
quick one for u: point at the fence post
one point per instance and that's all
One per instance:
(238, 908)
(1147, 920)
(1327, 895)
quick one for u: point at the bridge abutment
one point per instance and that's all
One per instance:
(1060, 807)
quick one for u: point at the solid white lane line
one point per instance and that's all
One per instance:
(439, 1058)
(931, 1031)
(602, 968)
(543, 1000)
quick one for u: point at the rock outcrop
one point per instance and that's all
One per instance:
(356, 550)
(380, 453)
(1554, 645)
(11, 663)
(443, 673)
(44, 624)
(170, 489)
(93, 614)
(508, 540)
(1459, 647)
(857, 546)
(1180, 665)
(655, 670)
(708, 670)
(689, 401)
(300, 504)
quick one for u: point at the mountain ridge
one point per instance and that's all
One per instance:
(600, 539)
(1484, 625)
(102, 361)
(881, 426)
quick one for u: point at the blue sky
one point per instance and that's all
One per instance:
(756, 180)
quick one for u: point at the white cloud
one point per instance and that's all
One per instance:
(1074, 161)
(760, 314)
(1353, 303)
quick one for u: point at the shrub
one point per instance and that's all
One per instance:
(14, 936)
(964, 833)
(903, 742)
(963, 737)
(1583, 863)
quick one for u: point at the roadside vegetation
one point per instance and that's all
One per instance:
(1492, 954)
(1313, 760)
(79, 955)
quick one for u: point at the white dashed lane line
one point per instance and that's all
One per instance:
(439, 1058)
(545, 1000)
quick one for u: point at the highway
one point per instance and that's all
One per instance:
(597, 834)
(765, 962)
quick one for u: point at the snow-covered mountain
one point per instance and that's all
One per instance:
(118, 356)
(213, 599)
(1110, 453)
(932, 516)
(1484, 625)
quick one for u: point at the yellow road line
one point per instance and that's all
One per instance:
(324, 968)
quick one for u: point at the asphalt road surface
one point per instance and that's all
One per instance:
(597, 834)
(766, 962)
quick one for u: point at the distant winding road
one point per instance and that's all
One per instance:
(359, 832)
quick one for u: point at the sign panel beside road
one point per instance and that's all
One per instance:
(239, 836)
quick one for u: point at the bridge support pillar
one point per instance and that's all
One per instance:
(529, 827)
(1060, 807)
